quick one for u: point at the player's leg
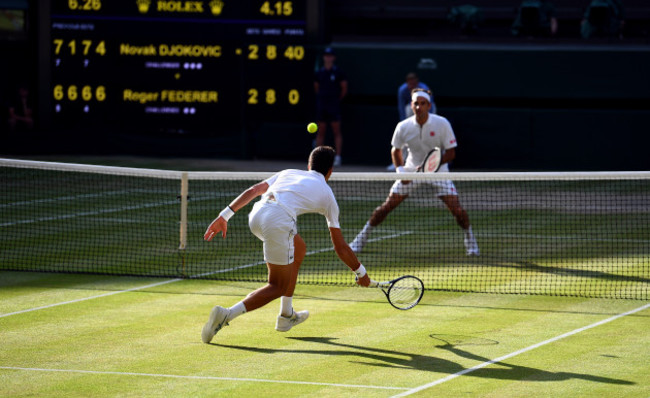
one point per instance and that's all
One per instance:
(279, 277)
(454, 206)
(300, 249)
(335, 123)
(320, 135)
(321, 119)
(382, 211)
(462, 219)
(277, 231)
(395, 197)
(289, 318)
(338, 140)
(299, 252)
(285, 250)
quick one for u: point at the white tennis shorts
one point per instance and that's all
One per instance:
(276, 229)
(442, 187)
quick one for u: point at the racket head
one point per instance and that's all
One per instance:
(431, 162)
(405, 292)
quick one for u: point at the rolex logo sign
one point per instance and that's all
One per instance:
(143, 6)
(216, 6)
(180, 6)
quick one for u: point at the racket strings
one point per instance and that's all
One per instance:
(405, 292)
(432, 162)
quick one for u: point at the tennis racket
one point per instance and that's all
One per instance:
(431, 162)
(402, 293)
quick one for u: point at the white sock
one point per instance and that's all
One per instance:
(365, 232)
(468, 233)
(286, 306)
(235, 311)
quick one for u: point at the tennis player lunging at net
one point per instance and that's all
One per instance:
(285, 196)
(421, 133)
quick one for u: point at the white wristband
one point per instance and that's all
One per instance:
(226, 213)
(400, 169)
(361, 271)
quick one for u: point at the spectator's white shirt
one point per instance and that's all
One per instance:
(301, 192)
(419, 140)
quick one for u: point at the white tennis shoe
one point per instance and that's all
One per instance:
(217, 320)
(284, 324)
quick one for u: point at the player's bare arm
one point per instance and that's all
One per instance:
(347, 255)
(448, 156)
(248, 195)
(220, 224)
(398, 161)
(397, 157)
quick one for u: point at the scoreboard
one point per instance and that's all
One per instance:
(209, 68)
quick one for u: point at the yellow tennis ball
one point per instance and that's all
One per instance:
(312, 128)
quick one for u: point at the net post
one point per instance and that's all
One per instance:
(183, 220)
(183, 223)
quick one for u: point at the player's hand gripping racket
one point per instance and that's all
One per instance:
(431, 162)
(402, 293)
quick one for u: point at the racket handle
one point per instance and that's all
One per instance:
(373, 284)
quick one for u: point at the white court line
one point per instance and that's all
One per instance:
(88, 213)
(98, 212)
(523, 350)
(570, 238)
(64, 198)
(310, 383)
(405, 393)
(86, 196)
(180, 279)
(90, 298)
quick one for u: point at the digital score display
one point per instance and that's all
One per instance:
(208, 68)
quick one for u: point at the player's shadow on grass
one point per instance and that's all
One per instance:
(507, 371)
(404, 360)
(564, 271)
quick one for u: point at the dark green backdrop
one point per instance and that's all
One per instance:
(537, 107)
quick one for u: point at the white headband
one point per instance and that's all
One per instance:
(422, 94)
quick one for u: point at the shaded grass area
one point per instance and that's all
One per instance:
(147, 342)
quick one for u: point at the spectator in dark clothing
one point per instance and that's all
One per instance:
(21, 112)
(331, 86)
(603, 18)
(535, 18)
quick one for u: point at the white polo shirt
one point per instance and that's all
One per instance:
(436, 132)
(300, 192)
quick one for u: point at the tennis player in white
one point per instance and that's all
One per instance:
(285, 196)
(421, 133)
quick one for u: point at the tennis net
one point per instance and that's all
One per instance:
(570, 234)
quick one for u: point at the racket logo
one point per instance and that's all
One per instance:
(431, 162)
(432, 133)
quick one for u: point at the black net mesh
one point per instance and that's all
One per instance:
(575, 237)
